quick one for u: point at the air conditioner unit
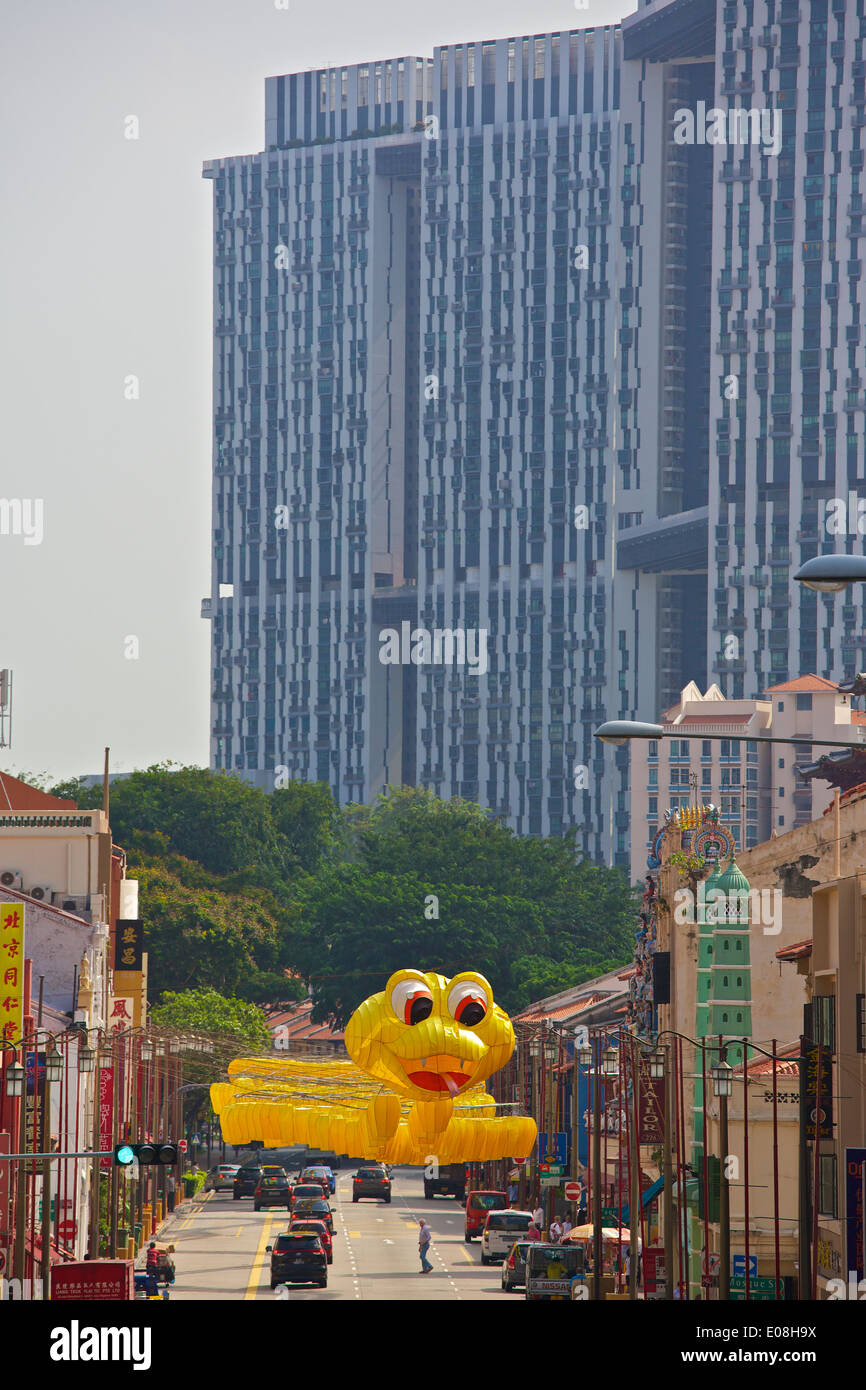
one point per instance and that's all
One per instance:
(71, 903)
(10, 878)
(41, 892)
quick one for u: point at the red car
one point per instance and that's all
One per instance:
(478, 1206)
(316, 1228)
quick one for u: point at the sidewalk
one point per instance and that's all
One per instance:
(162, 1234)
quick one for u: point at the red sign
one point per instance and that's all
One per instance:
(67, 1230)
(654, 1272)
(94, 1280)
(572, 1191)
(106, 1113)
(182, 1145)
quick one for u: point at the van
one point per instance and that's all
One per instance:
(550, 1270)
(478, 1204)
(501, 1230)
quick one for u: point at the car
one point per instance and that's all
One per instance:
(318, 1228)
(273, 1170)
(272, 1191)
(321, 1174)
(478, 1204)
(298, 1258)
(310, 1189)
(514, 1266)
(501, 1229)
(552, 1270)
(315, 1208)
(449, 1180)
(221, 1178)
(371, 1181)
(246, 1181)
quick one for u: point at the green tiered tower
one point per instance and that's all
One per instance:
(729, 1011)
(704, 991)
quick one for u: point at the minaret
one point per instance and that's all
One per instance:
(730, 999)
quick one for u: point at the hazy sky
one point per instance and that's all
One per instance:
(106, 273)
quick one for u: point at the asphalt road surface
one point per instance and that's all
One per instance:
(220, 1249)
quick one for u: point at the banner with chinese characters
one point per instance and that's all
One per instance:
(11, 971)
(129, 944)
(106, 1114)
(35, 1127)
(818, 1080)
(855, 1183)
(120, 1018)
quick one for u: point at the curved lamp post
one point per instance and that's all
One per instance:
(829, 574)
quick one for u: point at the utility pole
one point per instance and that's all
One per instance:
(634, 1197)
(596, 1172)
(668, 1190)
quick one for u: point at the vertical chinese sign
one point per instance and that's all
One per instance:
(35, 1127)
(855, 1181)
(106, 1114)
(11, 971)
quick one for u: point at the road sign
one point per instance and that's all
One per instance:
(738, 1267)
(549, 1182)
(756, 1285)
(553, 1148)
(67, 1230)
(610, 1216)
(713, 1266)
(196, 1139)
(182, 1145)
(572, 1191)
(553, 1170)
(709, 1281)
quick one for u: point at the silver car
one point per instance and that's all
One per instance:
(221, 1178)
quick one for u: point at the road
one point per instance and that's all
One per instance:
(220, 1249)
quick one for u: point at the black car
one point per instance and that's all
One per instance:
(314, 1209)
(298, 1258)
(371, 1181)
(245, 1181)
(272, 1192)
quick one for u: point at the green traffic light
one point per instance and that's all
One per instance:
(124, 1154)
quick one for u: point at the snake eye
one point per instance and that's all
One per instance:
(468, 1003)
(412, 1001)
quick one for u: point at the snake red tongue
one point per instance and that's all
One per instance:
(451, 1084)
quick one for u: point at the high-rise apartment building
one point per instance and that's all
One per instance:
(549, 345)
(415, 321)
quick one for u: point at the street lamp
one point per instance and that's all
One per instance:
(723, 1086)
(610, 1062)
(86, 1058)
(829, 574)
(620, 731)
(15, 1081)
(53, 1066)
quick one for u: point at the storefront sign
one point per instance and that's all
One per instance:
(97, 1280)
(34, 1109)
(855, 1181)
(129, 944)
(11, 972)
(818, 1092)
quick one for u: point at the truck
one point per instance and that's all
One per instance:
(550, 1270)
(449, 1181)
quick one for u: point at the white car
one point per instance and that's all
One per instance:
(221, 1178)
(501, 1230)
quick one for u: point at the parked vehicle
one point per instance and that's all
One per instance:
(221, 1178)
(450, 1181)
(371, 1181)
(246, 1181)
(318, 1228)
(478, 1204)
(500, 1231)
(550, 1270)
(298, 1258)
(315, 1207)
(514, 1266)
(272, 1192)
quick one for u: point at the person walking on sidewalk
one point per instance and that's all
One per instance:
(170, 1190)
(425, 1236)
(152, 1265)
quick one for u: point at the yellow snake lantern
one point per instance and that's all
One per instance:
(413, 1091)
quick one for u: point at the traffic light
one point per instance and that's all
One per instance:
(145, 1154)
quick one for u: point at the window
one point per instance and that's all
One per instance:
(706, 748)
(821, 1021)
(827, 1189)
(860, 1017)
(804, 702)
(781, 762)
(653, 749)
(653, 776)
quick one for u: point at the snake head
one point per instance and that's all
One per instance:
(428, 1037)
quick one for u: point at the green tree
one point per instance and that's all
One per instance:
(207, 1011)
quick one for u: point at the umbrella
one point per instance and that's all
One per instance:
(610, 1234)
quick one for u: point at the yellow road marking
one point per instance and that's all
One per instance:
(253, 1285)
(238, 1232)
(353, 1235)
(466, 1255)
